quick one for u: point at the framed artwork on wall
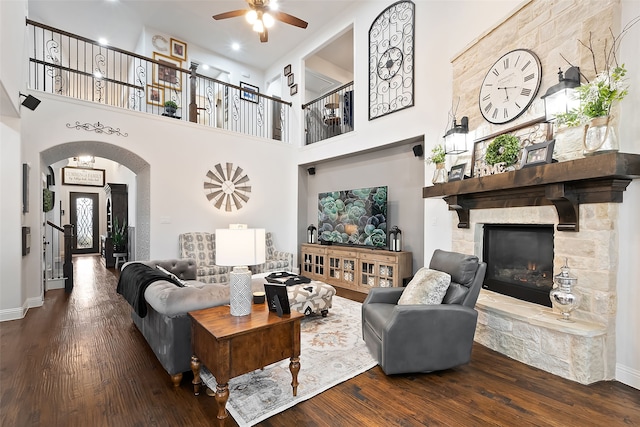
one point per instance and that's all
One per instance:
(287, 70)
(290, 80)
(166, 72)
(83, 176)
(155, 95)
(251, 92)
(293, 90)
(179, 49)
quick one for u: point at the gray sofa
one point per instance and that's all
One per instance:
(425, 338)
(167, 326)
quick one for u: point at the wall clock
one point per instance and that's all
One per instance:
(391, 47)
(510, 86)
(227, 187)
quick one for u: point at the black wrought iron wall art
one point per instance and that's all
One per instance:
(97, 128)
(391, 58)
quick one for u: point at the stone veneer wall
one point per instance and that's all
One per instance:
(550, 28)
(583, 351)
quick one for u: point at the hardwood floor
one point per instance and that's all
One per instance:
(79, 360)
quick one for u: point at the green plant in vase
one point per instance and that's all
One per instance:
(119, 235)
(598, 96)
(170, 107)
(438, 157)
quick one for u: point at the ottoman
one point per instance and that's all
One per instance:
(308, 298)
(314, 297)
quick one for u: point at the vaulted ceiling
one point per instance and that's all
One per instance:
(121, 21)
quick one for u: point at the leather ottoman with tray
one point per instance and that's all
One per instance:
(304, 295)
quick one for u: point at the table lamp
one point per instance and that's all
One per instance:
(239, 248)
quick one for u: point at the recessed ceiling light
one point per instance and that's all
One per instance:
(205, 67)
(103, 41)
(235, 46)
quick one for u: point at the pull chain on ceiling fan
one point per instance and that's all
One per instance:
(261, 17)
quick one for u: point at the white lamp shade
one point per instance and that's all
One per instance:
(235, 247)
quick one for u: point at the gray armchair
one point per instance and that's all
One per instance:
(425, 338)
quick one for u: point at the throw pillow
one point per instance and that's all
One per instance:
(427, 287)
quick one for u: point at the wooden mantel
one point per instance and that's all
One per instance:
(566, 185)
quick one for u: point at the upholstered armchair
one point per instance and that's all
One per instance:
(276, 260)
(201, 246)
(411, 338)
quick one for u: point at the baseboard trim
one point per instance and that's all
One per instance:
(14, 313)
(35, 302)
(628, 376)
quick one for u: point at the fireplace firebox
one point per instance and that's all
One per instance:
(519, 261)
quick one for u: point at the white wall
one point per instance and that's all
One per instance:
(628, 315)
(14, 300)
(180, 154)
(12, 287)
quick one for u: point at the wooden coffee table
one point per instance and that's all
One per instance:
(234, 345)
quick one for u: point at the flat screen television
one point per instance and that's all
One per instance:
(353, 217)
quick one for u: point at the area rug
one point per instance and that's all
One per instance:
(332, 351)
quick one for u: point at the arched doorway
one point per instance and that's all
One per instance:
(127, 158)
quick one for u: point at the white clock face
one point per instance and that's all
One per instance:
(510, 86)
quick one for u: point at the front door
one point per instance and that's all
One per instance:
(85, 217)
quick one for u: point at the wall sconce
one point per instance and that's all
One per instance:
(561, 98)
(455, 140)
(30, 101)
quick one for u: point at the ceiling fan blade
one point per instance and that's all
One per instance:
(264, 36)
(232, 14)
(288, 19)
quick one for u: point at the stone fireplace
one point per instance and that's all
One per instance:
(580, 199)
(583, 351)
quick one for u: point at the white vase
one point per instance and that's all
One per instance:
(599, 136)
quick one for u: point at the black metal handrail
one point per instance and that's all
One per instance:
(329, 115)
(70, 65)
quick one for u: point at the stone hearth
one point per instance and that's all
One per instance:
(583, 351)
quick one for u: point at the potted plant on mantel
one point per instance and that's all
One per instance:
(598, 96)
(119, 236)
(438, 157)
(170, 107)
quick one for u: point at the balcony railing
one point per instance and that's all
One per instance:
(74, 66)
(329, 115)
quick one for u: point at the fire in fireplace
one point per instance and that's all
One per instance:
(519, 261)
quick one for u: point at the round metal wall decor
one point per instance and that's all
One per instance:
(391, 47)
(227, 187)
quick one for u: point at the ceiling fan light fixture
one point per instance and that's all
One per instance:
(258, 26)
(251, 17)
(268, 20)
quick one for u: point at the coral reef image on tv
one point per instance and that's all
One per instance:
(354, 217)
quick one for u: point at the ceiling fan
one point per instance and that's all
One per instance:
(262, 16)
